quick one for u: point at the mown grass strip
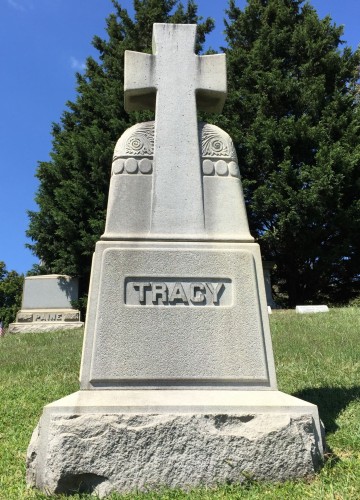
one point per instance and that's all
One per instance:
(317, 358)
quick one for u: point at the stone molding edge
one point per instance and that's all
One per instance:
(49, 276)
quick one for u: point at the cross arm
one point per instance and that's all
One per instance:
(212, 85)
(139, 81)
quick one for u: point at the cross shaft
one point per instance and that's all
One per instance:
(176, 81)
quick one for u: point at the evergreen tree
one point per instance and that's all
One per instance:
(11, 286)
(293, 112)
(73, 190)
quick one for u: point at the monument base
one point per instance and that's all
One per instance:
(125, 440)
(43, 327)
(45, 320)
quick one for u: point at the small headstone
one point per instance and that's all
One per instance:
(47, 304)
(269, 310)
(267, 267)
(311, 309)
(178, 386)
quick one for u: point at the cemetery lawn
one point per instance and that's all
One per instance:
(317, 358)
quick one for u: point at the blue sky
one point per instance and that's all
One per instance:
(42, 44)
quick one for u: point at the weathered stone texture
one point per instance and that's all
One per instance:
(126, 452)
(43, 327)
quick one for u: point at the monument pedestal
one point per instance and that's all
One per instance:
(177, 315)
(124, 440)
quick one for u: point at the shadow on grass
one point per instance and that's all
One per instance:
(331, 401)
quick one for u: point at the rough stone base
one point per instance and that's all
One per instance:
(219, 436)
(43, 327)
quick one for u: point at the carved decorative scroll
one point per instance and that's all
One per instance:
(138, 142)
(215, 143)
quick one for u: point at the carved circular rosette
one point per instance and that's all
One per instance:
(132, 166)
(118, 166)
(221, 168)
(234, 169)
(208, 167)
(145, 166)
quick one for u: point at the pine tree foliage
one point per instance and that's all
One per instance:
(293, 112)
(73, 190)
(11, 286)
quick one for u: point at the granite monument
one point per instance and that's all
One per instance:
(178, 385)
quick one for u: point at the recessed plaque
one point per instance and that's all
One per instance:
(197, 291)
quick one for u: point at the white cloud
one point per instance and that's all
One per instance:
(21, 5)
(16, 5)
(76, 64)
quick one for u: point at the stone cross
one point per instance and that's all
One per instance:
(175, 82)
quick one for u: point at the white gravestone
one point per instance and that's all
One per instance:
(47, 304)
(267, 268)
(178, 385)
(311, 309)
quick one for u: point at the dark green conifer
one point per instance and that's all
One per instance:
(293, 112)
(11, 287)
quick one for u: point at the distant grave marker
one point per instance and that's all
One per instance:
(47, 304)
(267, 267)
(311, 309)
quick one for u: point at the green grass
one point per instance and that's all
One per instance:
(317, 359)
